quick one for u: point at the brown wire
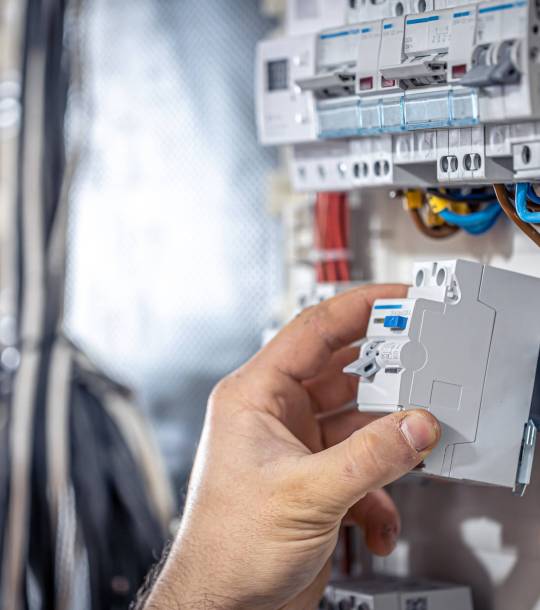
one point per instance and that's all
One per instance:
(439, 232)
(510, 211)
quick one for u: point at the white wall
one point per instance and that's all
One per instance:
(482, 536)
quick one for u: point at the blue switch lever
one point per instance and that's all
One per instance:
(395, 322)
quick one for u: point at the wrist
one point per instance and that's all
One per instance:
(188, 581)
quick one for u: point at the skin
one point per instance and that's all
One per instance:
(281, 464)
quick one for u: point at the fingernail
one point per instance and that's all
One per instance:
(419, 431)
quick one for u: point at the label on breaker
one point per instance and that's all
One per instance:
(501, 21)
(390, 354)
(427, 34)
(339, 47)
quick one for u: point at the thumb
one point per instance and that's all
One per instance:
(371, 458)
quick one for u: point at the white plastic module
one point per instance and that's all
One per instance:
(465, 346)
(391, 593)
(304, 16)
(467, 72)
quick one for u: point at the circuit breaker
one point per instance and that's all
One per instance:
(465, 346)
(404, 92)
(391, 593)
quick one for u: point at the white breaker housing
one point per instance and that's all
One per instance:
(392, 593)
(465, 346)
(404, 92)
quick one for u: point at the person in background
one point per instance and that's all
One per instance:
(281, 464)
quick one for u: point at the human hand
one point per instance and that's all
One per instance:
(280, 465)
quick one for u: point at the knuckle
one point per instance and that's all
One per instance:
(379, 453)
(219, 391)
(318, 317)
(365, 455)
(306, 316)
(223, 395)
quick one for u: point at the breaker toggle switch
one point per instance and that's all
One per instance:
(494, 64)
(367, 366)
(395, 322)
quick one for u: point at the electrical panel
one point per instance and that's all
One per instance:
(391, 593)
(404, 92)
(305, 16)
(464, 345)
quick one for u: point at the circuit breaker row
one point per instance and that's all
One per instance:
(475, 155)
(307, 16)
(447, 95)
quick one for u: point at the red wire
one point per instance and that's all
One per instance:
(343, 235)
(331, 269)
(318, 265)
(331, 233)
(321, 221)
(336, 238)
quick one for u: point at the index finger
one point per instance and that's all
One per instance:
(304, 346)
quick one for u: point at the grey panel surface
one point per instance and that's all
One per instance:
(457, 341)
(510, 376)
(174, 261)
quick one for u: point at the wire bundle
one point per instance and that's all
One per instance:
(458, 209)
(332, 237)
(521, 213)
(84, 502)
(526, 195)
(428, 223)
(451, 211)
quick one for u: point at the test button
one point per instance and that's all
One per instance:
(395, 322)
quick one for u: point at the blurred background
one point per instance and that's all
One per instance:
(174, 257)
(140, 262)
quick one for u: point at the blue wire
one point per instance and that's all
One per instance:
(523, 212)
(485, 227)
(455, 195)
(475, 219)
(532, 195)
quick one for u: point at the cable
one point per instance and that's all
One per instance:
(319, 265)
(439, 232)
(460, 214)
(342, 209)
(531, 194)
(414, 201)
(487, 226)
(475, 223)
(331, 269)
(510, 211)
(81, 513)
(452, 195)
(331, 237)
(522, 192)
